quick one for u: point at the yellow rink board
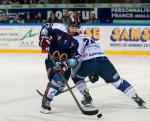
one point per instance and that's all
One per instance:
(19, 51)
(127, 52)
(117, 52)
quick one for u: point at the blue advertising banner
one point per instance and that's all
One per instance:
(84, 12)
(107, 15)
(104, 15)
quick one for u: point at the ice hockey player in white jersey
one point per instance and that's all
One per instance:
(94, 63)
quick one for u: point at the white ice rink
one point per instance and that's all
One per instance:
(22, 74)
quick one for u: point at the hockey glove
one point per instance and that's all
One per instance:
(72, 63)
(45, 42)
(93, 78)
(61, 66)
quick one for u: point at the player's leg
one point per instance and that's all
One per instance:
(46, 100)
(80, 83)
(110, 75)
(55, 85)
(53, 88)
(81, 86)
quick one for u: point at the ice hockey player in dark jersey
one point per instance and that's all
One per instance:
(61, 43)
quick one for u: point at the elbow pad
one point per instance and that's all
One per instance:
(72, 63)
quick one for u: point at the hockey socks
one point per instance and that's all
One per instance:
(87, 99)
(125, 87)
(128, 90)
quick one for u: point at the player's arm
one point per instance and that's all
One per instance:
(77, 52)
(74, 55)
(45, 37)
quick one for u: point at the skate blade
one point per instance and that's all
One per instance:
(89, 105)
(143, 107)
(89, 108)
(44, 111)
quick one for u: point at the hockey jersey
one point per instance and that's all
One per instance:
(91, 49)
(62, 45)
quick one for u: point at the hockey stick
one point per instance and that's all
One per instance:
(40, 93)
(92, 112)
(66, 90)
(89, 112)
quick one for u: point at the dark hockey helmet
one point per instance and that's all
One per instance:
(71, 22)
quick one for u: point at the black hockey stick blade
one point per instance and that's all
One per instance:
(91, 112)
(85, 112)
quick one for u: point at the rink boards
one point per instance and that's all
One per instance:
(113, 38)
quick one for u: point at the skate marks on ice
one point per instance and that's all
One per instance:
(110, 114)
(13, 112)
(27, 118)
(16, 100)
(61, 115)
(114, 105)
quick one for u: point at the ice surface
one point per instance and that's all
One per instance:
(22, 74)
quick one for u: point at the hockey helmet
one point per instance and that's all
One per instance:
(71, 22)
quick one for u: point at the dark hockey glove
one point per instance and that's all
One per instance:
(93, 78)
(61, 66)
(45, 42)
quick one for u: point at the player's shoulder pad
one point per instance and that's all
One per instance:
(47, 25)
(60, 26)
(78, 40)
(78, 37)
(44, 31)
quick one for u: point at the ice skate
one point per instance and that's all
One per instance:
(87, 99)
(45, 105)
(139, 101)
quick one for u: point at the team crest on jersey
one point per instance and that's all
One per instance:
(65, 41)
(59, 38)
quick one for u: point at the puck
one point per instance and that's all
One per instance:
(99, 115)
